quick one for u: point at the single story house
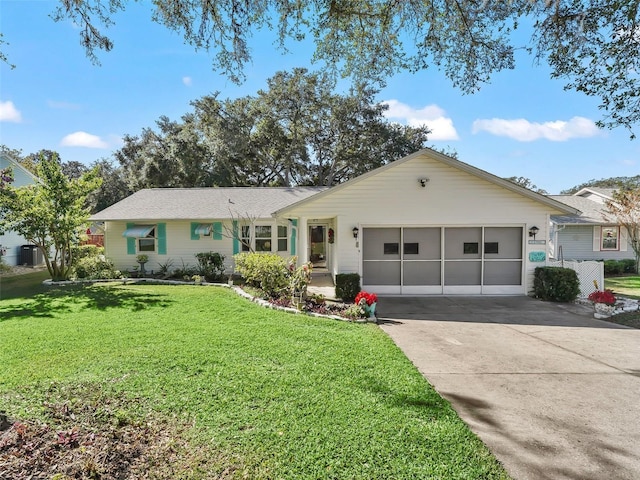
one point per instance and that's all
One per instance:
(11, 244)
(588, 236)
(424, 224)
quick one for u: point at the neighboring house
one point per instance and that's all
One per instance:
(588, 236)
(12, 243)
(424, 224)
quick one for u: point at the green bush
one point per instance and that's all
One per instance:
(267, 271)
(84, 251)
(347, 286)
(210, 265)
(94, 268)
(628, 265)
(613, 267)
(556, 284)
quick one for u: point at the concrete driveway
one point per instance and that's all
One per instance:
(553, 393)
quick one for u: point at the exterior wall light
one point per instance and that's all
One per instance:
(355, 232)
(533, 231)
(423, 182)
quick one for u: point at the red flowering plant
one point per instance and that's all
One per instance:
(364, 297)
(607, 297)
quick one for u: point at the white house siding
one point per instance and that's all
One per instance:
(577, 244)
(181, 249)
(395, 198)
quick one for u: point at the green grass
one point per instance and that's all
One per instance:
(274, 395)
(25, 285)
(629, 286)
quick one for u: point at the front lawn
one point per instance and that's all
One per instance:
(195, 382)
(24, 285)
(629, 286)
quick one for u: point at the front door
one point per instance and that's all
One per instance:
(318, 245)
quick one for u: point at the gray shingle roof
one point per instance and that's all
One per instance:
(591, 211)
(204, 203)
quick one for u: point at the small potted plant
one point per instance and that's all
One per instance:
(604, 302)
(368, 302)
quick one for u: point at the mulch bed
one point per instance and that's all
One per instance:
(87, 435)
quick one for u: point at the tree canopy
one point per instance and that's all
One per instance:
(624, 210)
(51, 213)
(591, 44)
(295, 132)
(618, 183)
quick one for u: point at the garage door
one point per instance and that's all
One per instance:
(449, 260)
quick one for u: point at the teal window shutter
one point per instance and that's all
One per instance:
(236, 242)
(161, 235)
(131, 242)
(217, 230)
(194, 235)
(294, 234)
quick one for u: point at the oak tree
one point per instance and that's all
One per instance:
(593, 45)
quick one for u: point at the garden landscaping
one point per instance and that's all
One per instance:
(163, 381)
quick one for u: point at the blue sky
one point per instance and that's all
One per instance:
(522, 124)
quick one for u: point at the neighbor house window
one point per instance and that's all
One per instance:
(148, 243)
(282, 238)
(609, 238)
(263, 238)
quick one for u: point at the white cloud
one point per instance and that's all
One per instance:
(187, 81)
(432, 116)
(9, 112)
(526, 131)
(83, 139)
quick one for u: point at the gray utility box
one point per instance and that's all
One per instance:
(31, 255)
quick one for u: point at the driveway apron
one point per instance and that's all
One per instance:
(553, 392)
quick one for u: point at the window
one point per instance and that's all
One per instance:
(490, 247)
(282, 238)
(609, 238)
(148, 243)
(245, 237)
(391, 248)
(263, 238)
(411, 249)
(470, 248)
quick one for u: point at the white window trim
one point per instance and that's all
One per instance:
(285, 238)
(618, 238)
(151, 236)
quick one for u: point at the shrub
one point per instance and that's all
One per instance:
(628, 265)
(613, 267)
(210, 265)
(267, 271)
(83, 251)
(347, 286)
(556, 284)
(94, 268)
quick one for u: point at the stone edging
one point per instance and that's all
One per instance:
(236, 289)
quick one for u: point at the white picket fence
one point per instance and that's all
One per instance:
(588, 272)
